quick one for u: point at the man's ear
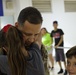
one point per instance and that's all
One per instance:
(16, 24)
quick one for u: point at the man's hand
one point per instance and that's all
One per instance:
(56, 46)
(51, 46)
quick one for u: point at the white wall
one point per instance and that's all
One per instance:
(7, 12)
(19, 5)
(67, 21)
(6, 20)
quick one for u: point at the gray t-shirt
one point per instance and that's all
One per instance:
(35, 60)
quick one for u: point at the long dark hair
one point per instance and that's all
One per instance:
(15, 45)
(45, 29)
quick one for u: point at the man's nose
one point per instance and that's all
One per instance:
(32, 38)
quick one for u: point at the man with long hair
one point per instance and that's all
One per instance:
(24, 44)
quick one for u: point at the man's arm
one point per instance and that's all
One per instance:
(59, 41)
(52, 40)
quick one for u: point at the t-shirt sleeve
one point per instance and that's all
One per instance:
(61, 32)
(3, 65)
(51, 34)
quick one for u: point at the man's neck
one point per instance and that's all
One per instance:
(55, 29)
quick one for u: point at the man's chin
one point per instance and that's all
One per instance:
(28, 43)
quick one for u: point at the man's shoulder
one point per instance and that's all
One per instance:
(52, 31)
(2, 57)
(59, 29)
(3, 64)
(34, 45)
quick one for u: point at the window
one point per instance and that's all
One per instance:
(70, 6)
(42, 5)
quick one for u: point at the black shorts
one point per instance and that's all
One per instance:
(59, 55)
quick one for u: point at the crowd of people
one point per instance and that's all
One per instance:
(26, 48)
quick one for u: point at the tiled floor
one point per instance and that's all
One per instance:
(56, 69)
(56, 66)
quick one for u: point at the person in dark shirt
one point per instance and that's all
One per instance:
(24, 55)
(57, 34)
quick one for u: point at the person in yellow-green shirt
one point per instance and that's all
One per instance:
(47, 42)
